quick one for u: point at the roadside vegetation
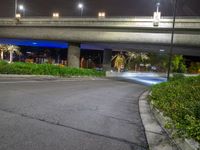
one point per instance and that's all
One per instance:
(137, 61)
(46, 69)
(11, 49)
(179, 99)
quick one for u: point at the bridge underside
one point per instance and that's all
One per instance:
(154, 48)
(139, 47)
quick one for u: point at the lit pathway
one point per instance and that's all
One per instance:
(141, 78)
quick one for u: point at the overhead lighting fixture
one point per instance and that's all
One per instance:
(101, 14)
(56, 15)
(162, 50)
(18, 16)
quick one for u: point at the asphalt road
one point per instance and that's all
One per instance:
(96, 114)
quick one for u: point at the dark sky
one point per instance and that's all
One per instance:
(92, 7)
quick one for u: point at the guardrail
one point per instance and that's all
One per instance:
(188, 23)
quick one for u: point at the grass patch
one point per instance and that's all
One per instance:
(46, 69)
(180, 100)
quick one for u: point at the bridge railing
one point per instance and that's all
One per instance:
(108, 17)
(109, 22)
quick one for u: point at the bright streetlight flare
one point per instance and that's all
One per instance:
(21, 7)
(80, 6)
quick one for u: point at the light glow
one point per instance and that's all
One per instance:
(18, 16)
(101, 14)
(80, 5)
(21, 7)
(56, 15)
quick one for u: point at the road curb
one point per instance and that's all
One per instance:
(184, 144)
(157, 137)
(25, 76)
(10, 77)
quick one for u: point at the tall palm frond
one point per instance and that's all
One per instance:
(13, 49)
(119, 61)
(3, 48)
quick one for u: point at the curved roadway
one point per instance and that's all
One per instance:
(78, 114)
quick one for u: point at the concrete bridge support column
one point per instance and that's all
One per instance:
(74, 55)
(107, 56)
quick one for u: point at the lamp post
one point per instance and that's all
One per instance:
(157, 7)
(21, 8)
(80, 6)
(15, 8)
(172, 40)
(156, 15)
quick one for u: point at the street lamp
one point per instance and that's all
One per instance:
(157, 15)
(21, 8)
(157, 7)
(172, 40)
(15, 8)
(80, 6)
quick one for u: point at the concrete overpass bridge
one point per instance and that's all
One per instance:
(108, 33)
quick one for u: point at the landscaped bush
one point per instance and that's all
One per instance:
(177, 76)
(180, 100)
(45, 69)
(194, 68)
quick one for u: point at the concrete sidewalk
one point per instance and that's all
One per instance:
(156, 136)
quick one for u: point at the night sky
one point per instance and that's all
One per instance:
(92, 7)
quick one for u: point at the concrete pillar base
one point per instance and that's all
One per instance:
(107, 56)
(74, 55)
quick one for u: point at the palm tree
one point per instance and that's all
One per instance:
(136, 59)
(119, 61)
(144, 58)
(2, 50)
(159, 60)
(13, 49)
(131, 59)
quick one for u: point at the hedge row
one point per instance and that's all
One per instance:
(45, 69)
(180, 100)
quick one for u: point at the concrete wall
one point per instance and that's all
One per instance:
(97, 35)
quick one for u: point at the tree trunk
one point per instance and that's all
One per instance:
(118, 69)
(1, 55)
(11, 57)
(135, 67)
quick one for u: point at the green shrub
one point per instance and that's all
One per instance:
(194, 68)
(177, 76)
(45, 69)
(2, 63)
(180, 100)
(178, 64)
